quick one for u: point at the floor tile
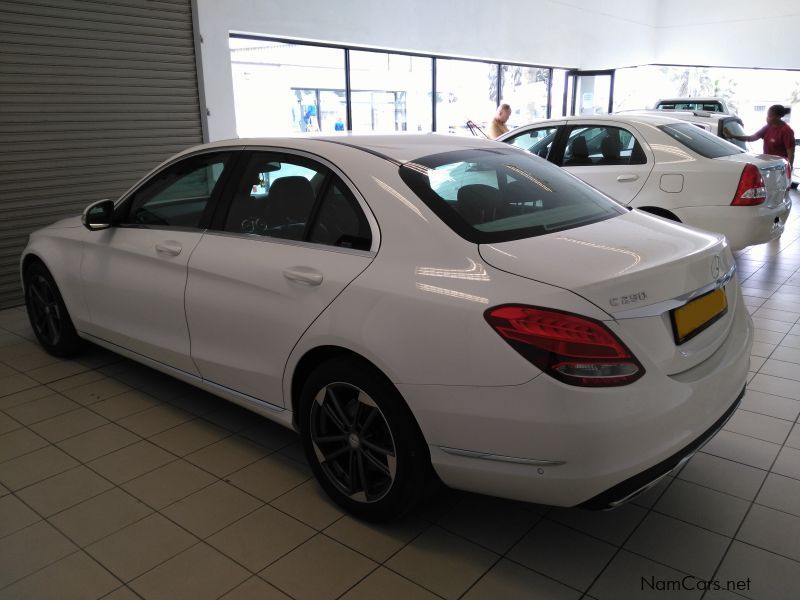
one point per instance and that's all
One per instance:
(336, 569)
(511, 581)
(30, 549)
(762, 349)
(723, 475)
(16, 383)
(376, 541)
(76, 422)
(781, 493)
(15, 515)
(756, 362)
(771, 325)
(773, 406)
(772, 530)
(778, 315)
(779, 368)
(788, 463)
(26, 395)
(270, 477)
(211, 509)
(502, 523)
(188, 437)
(386, 585)
(155, 420)
(63, 490)
(767, 575)
(75, 577)
(786, 354)
(563, 554)
(141, 546)
(8, 424)
(169, 483)
(60, 370)
(270, 435)
(721, 513)
(255, 588)
(131, 461)
(123, 405)
(261, 538)
(630, 577)
(790, 341)
(442, 562)
(679, 545)
(793, 441)
(612, 526)
(775, 385)
(95, 391)
(100, 516)
(309, 504)
(759, 426)
(98, 442)
(227, 455)
(196, 574)
(744, 449)
(18, 442)
(31, 360)
(767, 337)
(232, 417)
(34, 466)
(41, 409)
(69, 383)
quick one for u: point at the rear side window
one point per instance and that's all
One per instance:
(602, 145)
(490, 196)
(699, 140)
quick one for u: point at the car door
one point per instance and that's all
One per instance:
(540, 141)
(613, 158)
(134, 273)
(294, 236)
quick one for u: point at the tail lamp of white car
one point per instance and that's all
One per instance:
(574, 349)
(751, 190)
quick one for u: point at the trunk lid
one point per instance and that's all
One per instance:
(636, 267)
(773, 170)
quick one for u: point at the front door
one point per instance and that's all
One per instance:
(134, 274)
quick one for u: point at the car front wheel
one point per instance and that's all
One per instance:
(48, 313)
(362, 441)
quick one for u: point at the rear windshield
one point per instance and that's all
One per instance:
(699, 140)
(495, 195)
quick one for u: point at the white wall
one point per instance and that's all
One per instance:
(589, 34)
(733, 33)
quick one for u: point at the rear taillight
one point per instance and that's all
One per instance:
(573, 349)
(751, 190)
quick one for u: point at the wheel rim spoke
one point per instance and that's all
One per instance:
(342, 417)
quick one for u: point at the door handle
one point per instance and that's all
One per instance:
(169, 247)
(303, 275)
(628, 177)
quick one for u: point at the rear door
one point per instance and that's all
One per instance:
(292, 238)
(614, 158)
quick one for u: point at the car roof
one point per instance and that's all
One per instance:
(683, 115)
(398, 147)
(654, 118)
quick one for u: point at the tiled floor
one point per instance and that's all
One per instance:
(118, 482)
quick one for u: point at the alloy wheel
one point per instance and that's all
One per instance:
(45, 313)
(353, 442)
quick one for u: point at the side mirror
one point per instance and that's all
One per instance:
(98, 215)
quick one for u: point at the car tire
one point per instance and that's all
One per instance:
(48, 314)
(361, 440)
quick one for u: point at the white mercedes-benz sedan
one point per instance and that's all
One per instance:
(412, 305)
(670, 168)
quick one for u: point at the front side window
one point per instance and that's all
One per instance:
(536, 141)
(293, 198)
(700, 141)
(178, 196)
(602, 145)
(490, 196)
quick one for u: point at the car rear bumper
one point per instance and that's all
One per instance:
(742, 225)
(551, 443)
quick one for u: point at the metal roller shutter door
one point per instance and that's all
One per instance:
(92, 95)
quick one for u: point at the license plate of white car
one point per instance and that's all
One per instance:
(695, 316)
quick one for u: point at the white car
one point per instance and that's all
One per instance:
(525, 336)
(670, 168)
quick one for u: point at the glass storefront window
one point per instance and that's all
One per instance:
(284, 87)
(390, 92)
(525, 89)
(465, 91)
(557, 95)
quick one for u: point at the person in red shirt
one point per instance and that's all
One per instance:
(777, 135)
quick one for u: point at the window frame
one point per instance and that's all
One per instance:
(333, 173)
(122, 206)
(560, 127)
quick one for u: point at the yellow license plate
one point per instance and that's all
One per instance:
(692, 318)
